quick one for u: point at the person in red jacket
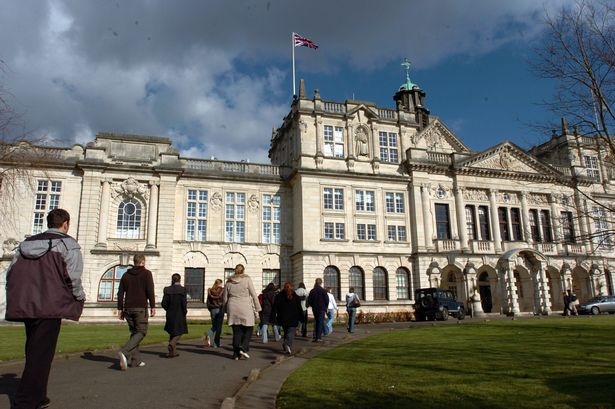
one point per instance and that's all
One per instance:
(136, 290)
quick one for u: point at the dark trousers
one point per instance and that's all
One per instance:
(137, 320)
(217, 319)
(319, 323)
(289, 335)
(241, 338)
(303, 324)
(41, 340)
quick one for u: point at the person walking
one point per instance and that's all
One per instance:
(572, 302)
(302, 293)
(267, 299)
(566, 304)
(352, 303)
(175, 303)
(331, 312)
(319, 301)
(135, 292)
(287, 313)
(214, 305)
(43, 286)
(241, 304)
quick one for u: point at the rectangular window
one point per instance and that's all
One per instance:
(334, 141)
(366, 231)
(443, 223)
(545, 224)
(340, 231)
(394, 202)
(470, 222)
(272, 276)
(234, 225)
(364, 200)
(483, 223)
(601, 235)
(271, 219)
(401, 233)
(334, 231)
(371, 232)
(196, 215)
(515, 222)
(388, 147)
(333, 198)
(195, 284)
(534, 230)
(503, 219)
(361, 232)
(591, 167)
(567, 227)
(329, 231)
(47, 198)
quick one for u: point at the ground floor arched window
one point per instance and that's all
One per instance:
(357, 281)
(331, 278)
(380, 280)
(110, 283)
(402, 276)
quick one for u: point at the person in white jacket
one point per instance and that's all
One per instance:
(331, 312)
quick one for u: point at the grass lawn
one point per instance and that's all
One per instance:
(526, 363)
(88, 337)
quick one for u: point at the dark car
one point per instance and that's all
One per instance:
(597, 305)
(436, 303)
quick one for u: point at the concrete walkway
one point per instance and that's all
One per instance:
(198, 378)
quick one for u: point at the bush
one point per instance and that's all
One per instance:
(374, 317)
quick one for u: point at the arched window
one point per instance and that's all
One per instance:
(381, 289)
(355, 279)
(331, 279)
(110, 283)
(128, 219)
(402, 276)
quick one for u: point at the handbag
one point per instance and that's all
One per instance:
(355, 302)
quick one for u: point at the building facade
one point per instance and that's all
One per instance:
(383, 200)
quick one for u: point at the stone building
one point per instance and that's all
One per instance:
(384, 200)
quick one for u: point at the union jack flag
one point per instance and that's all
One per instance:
(303, 42)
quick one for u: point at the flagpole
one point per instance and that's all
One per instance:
(292, 43)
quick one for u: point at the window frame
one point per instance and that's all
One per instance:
(443, 226)
(380, 284)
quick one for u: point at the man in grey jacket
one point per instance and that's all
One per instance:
(43, 285)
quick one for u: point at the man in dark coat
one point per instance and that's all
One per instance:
(135, 292)
(43, 285)
(175, 303)
(319, 301)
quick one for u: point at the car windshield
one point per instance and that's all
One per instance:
(595, 300)
(420, 294)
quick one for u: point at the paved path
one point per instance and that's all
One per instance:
(198, 378)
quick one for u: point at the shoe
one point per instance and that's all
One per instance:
(44, 404)
(123, 361)
(258, 333)
(244, 355)
(236, 358)
(314, 340)
(288, 349)
(208, 341)
(141, 364)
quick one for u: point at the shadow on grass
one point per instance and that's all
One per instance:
(587, 390)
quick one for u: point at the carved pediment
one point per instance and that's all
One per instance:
(503, 160)
(507, 157)
(437, 137)
(362, 111)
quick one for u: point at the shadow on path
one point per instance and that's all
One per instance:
(8, 385)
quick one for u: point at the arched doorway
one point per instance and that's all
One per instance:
(580, 284)
(484, 289)
(556, 290)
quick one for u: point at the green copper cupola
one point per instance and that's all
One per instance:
(410, 98)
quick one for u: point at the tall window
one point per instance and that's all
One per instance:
(545, 224)
(47, 198)
(515, 223)
(396, 233)
(394, 202)
(443, 222)
(334, 141)
(503, 219)
(271, 219)
(272, 276)
(331, 278)
(194, 282)
(388, 147)
(601, 235)
(567, 227)
(128, 219)
(483, 223)
(235, 208)
(534, 230)
(333, 198)
(356, 280)
(366, 231)
(470, 222)
(228, 272)
(196, 215)
(380, 284)
(364, 200)
(110, 283)
(334, 231)
(402, 276)
(591, 167)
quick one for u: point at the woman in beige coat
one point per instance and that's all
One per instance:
(241, 305)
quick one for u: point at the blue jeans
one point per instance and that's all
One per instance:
(276, 332)
(352, 315)
(330, 318)
(217, 318)
(319, 323)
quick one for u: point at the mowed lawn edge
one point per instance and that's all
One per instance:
(523, 363)
(91, 337)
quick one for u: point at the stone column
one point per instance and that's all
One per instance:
(152, 216)
(525, 217)
(350, 151)
(319, 140)
(461, 218)
(510, 288)
(495, 224)
(543, 286)
(375, 141)
(582, 213)
(427, 222)
(402, 145)
(103, 217)
(471, 286)
(555, 222)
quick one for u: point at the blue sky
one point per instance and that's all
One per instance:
(215, 76)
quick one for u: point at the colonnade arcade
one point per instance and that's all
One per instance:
(521, 281)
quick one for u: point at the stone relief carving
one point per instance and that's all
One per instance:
(432, 138)
(361, 138)
(475, 195)
(253, 203)
(537, 199)
(505, 160)
(508, 197)
(215, 201)
(130, 187)
(440, 192)
(8, 247)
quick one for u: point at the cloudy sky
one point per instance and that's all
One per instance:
(215, 75)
